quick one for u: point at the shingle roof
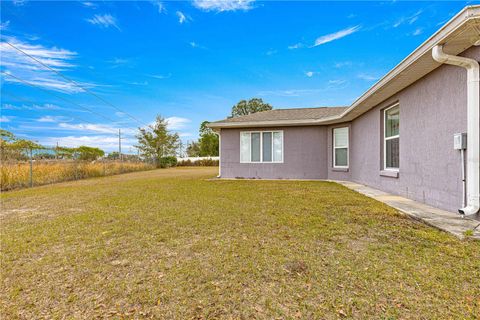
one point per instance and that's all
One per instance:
(288, 114)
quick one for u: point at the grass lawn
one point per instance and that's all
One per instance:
(170, 244)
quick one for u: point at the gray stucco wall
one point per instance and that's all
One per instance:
(304, 155)
(431, 111)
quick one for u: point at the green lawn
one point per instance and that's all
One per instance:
(172, 244)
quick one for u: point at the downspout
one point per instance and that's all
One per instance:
(473, 120)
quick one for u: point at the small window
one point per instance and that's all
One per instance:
(340, 147)
(261, 146)
(391, 146)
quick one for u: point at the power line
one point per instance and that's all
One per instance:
(71, 115)
(57, 96)
(74, 82)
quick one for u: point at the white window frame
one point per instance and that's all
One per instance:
(348, 148)
(261, 146)
(385, 138)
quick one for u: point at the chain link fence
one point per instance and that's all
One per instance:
(21, 168)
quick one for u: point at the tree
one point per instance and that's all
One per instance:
(254, 105)
(193, 149)
(208, 141)
(15, 149)
(89, 153)
(155, 142)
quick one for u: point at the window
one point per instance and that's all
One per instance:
(340, 147)
(261, 146)
(391, 140)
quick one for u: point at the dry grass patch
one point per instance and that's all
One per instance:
(170, 244)
(17, 175)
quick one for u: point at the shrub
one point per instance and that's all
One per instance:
(198, 163)
(167, 162)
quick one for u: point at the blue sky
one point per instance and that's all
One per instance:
(192, 60)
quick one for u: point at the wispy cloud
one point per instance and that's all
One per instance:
(271, 52)
(309, 74)
(19, 3)
(336, 35)
(99, 128)
(4, 25)
(104, 142)
(296, 46)
(47, 106)
(159, 5)
(224, 5)
(408, 19)
(182, 18)
(89, 4)
(52, 119)
(343, 64)
(193, 44)
(336, 82)
(177, 123)
(160, 76)
(104, 21)
(118, 62)
(23, 67)
(4, 119)
(417, 32)
(367, 77)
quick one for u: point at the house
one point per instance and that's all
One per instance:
(400, 136)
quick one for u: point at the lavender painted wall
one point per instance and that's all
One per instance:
(431, 111)
(304, 155)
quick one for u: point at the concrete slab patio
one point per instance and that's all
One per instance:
(440, 219)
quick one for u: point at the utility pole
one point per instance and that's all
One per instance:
(120, 144)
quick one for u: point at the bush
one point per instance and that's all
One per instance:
(198, 163)
(167, 162)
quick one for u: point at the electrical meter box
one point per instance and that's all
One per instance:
(460, 141)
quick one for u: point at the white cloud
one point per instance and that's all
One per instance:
(417, 32)
(100, 128)
(309, 74)
(160, 76)
(296, 46)
(47, 106)
(104, 142)
(19, 2)
(271, 52)
(336, 35)
(177, 123)
(52, 119)
(223, 5)
(5, 119)
(104, 20)
(4, 25)
(368, 77)
(408, 19)
(182, 18)
(336, 82)
(159, 5)
(19, 65)
(343, 64)
(89, 4)
(193, 44)
(118, 61)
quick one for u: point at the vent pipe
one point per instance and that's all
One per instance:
(473, 123)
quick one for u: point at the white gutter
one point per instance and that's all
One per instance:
(473, 130)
